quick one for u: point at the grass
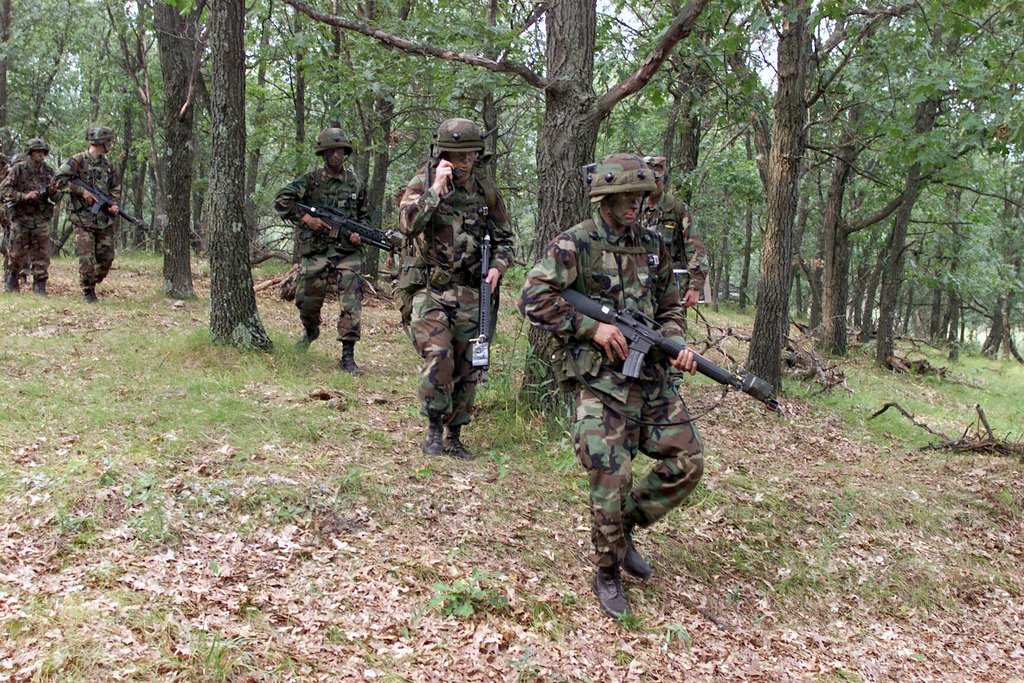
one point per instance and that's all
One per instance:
(172, 510)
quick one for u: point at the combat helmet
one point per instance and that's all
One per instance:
(459, 135)
(332, 138)
(619, 173)
(99, 134)
(657, 164)
(36, 145)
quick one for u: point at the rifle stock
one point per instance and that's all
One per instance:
(640, 331)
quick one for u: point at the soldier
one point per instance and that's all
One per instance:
(673, 218)
(94, 232)
(5, 219)
(446, 211)
(323, 259)
(615, 261)
(27, 189)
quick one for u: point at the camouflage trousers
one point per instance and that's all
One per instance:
(95, 247)
(30, 245)
(606, 444)
(318, 271)
(442, 325)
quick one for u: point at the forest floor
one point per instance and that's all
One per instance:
(175, 511)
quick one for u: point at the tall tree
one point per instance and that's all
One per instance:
(787, 150)
(234, 318)
(892, 273)
(180, 52)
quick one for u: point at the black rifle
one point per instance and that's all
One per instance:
(343, 226)
(482, 343)
(103, 202)
(43, 196)
(642, 334)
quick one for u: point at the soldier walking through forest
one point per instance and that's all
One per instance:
(324, 259)
(447, 211)
(673, 219)
(616, 262)
(27, 190)
(94, 231)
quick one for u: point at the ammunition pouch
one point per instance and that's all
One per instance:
(573, 361)
(310, 241)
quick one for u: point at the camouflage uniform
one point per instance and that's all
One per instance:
(94, 232)
(615, 415)
(444, 281)
(322, 259)
(673, 218)
(5, 217)
(30, 220)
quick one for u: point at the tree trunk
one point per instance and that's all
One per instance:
(177, 37)
(568, 138)
(234, 318)
(836, 246)
(867, 324)
(787, 150)
(892, 276)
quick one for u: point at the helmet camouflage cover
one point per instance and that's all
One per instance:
(99, 134)
(332, 138)
(656, 164)
(619, 173)
(459, 135)
(36, 145)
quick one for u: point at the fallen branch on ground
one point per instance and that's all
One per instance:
(985, 443)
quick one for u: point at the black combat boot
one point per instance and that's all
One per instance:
(348, 358)
(453, 445)
(11, 283)
(90, 295)
(608, 587)
(634, 563)
(312, 332)
(39, 286)
(432, 444)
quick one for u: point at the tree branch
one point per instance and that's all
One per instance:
(680, 28)
(423, 49)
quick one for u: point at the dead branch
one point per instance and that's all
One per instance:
(917, 367)
(910, 417)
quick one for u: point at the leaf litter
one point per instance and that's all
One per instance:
(807, 555)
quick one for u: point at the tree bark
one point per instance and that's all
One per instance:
(234, 318)
(177, 39)
(787, 150)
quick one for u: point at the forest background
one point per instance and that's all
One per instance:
(855, 169)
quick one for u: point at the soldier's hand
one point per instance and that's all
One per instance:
(493, 275)
(114, 209)
(31, 196)
(685, 361)
(442, 176)
(314, 223)
(355, 239)
(690, 298)
(88, 197)
(609, 338)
